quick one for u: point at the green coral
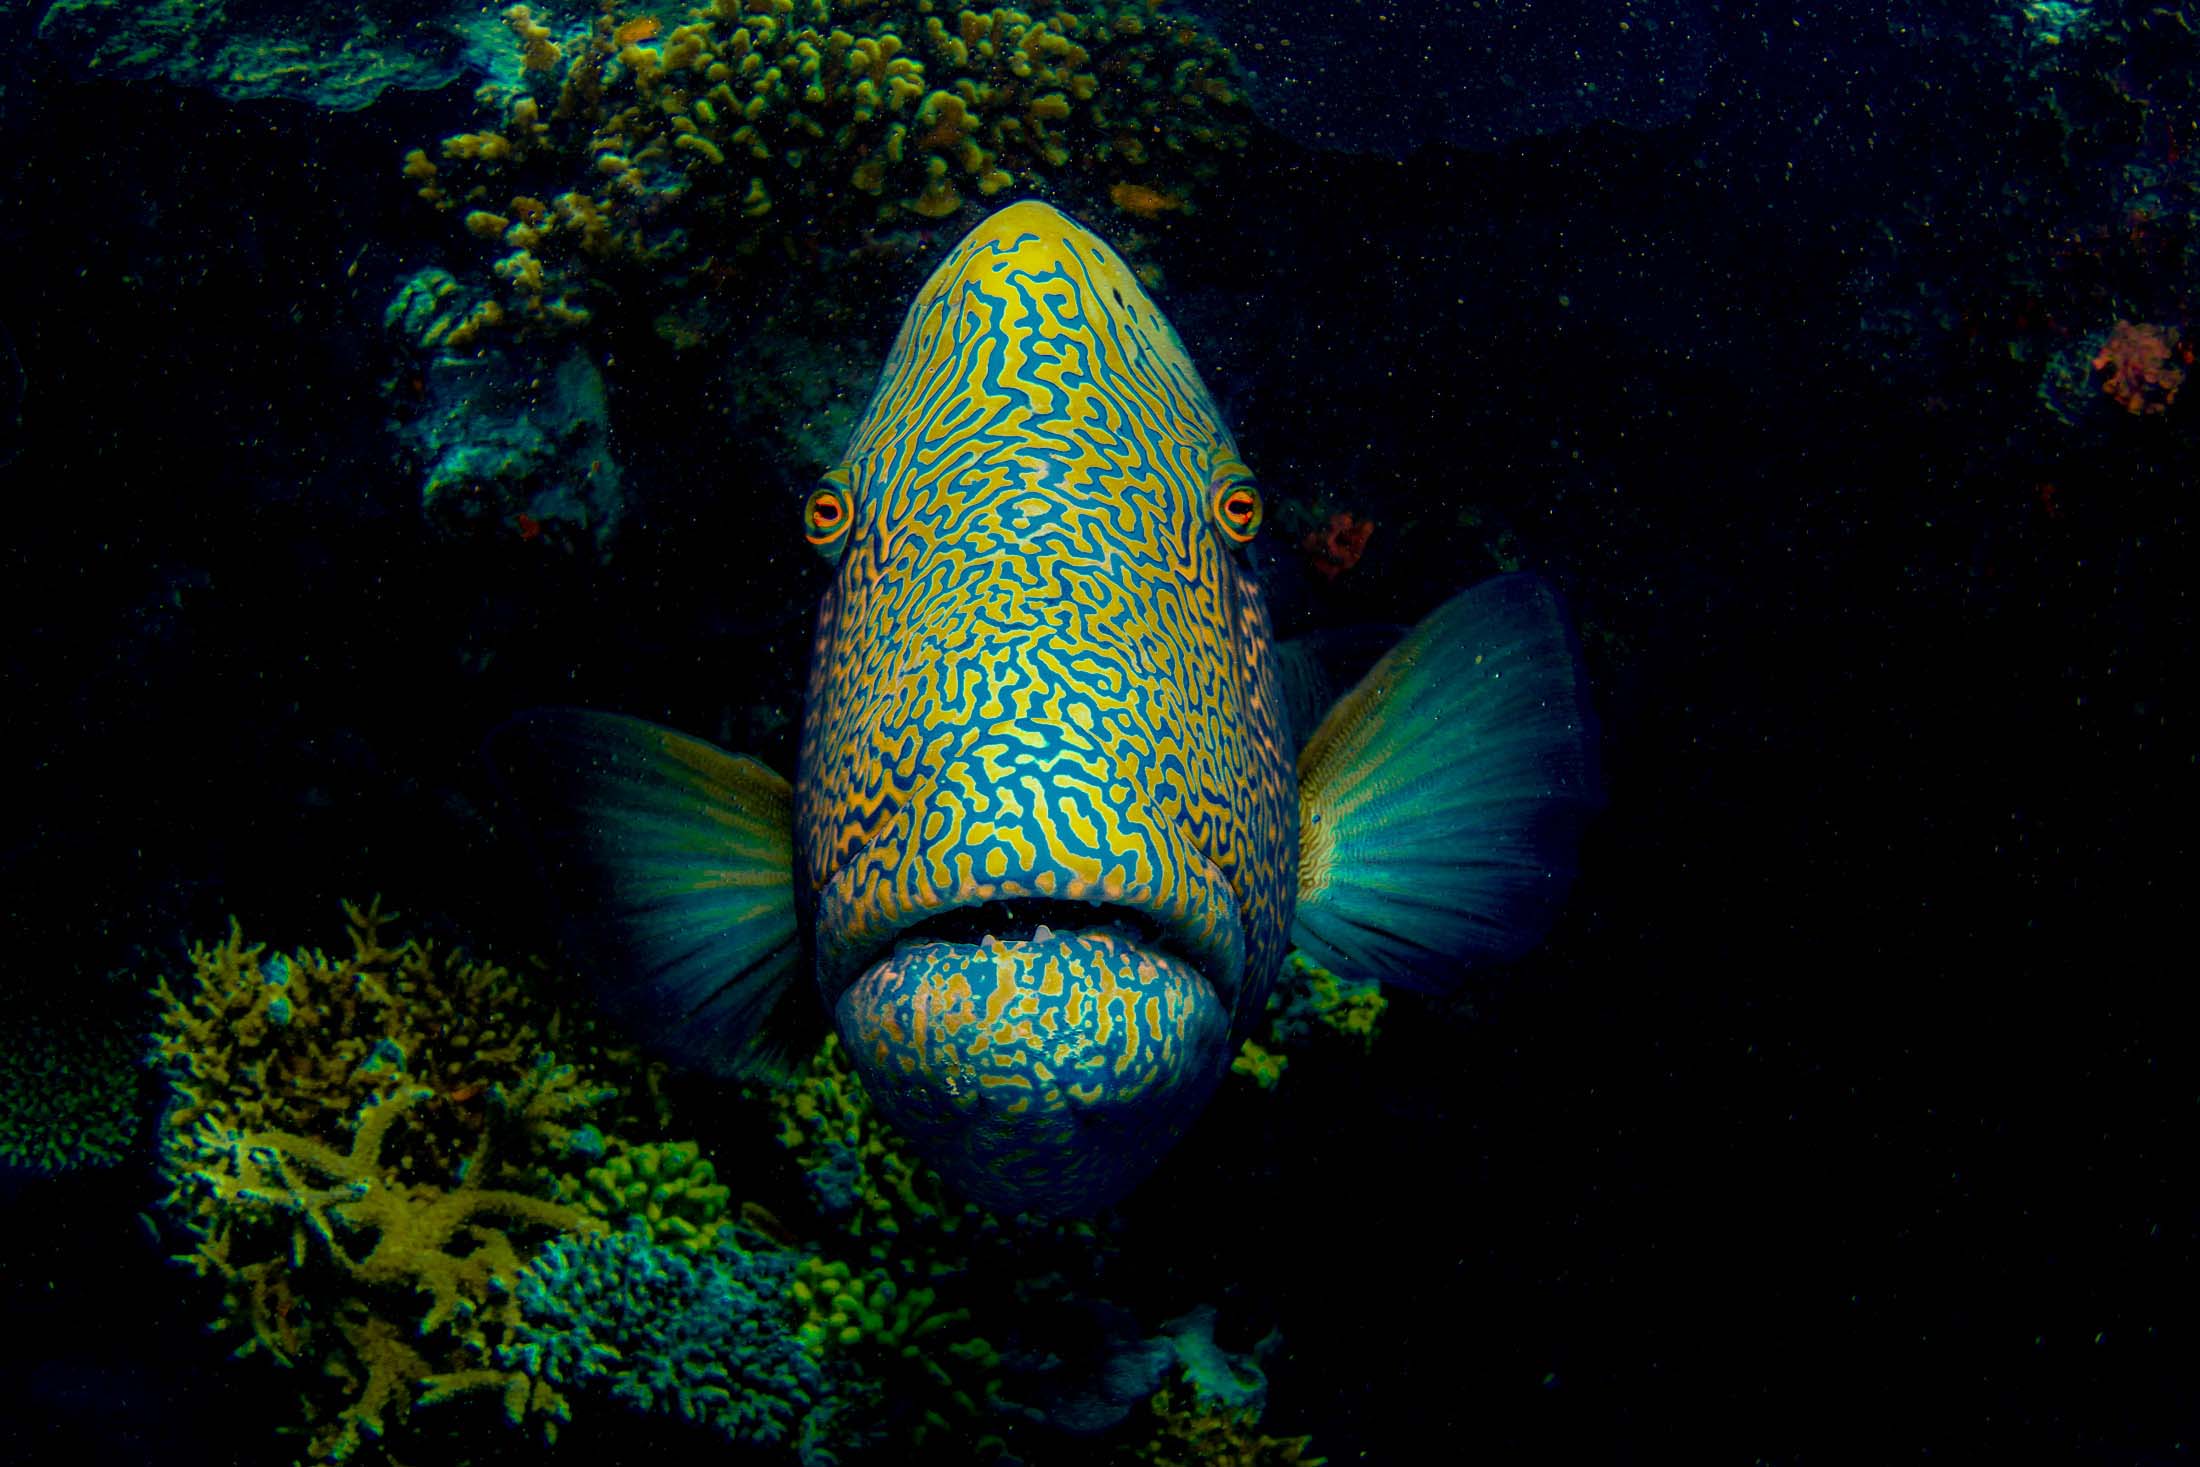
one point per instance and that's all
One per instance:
(70, 1093)
(1263, 1067)
(907, 1313)
(636, 156)
(361, 1153)
(667, 1187)
(1308, 997)
(1199, 1435)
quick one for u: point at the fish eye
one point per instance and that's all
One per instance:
(1237, 509)
(826, 515)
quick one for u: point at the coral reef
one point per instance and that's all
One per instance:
(1308, 997)
(665, 1188)
(404, 1193)
(639, 159)
(887, 1313)
(496, 454)
(70, 1080)
(1217, 1436)
(2142, 366)
(339, 57)
(360, 1152)
(706, 1334)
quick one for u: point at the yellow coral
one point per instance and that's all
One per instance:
(859, 112)
(1189, 1436)
(359, 1149)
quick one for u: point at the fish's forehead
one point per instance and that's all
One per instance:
(1033, 331)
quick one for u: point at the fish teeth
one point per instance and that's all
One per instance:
(1042, 933)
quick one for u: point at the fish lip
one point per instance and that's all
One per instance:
(863, 911)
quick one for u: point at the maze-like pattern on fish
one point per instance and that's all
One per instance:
(1042, 671)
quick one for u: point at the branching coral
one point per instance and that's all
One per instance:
(708, 1335)
(645, 154)
(360, 1151)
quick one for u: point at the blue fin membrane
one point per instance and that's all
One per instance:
(1440, 802)
(672, 864)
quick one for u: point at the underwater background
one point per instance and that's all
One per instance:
(369, 374)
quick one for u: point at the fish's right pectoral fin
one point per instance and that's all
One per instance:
(1441, 800)
(672, 864)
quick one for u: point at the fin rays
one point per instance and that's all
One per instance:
(1441, 799)
(673, 864)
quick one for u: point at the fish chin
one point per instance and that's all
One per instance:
(1043, 1074)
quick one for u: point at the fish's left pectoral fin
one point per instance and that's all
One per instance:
(672, 865)
(1441, 800)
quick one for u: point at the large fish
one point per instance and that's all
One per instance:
(1052, 834)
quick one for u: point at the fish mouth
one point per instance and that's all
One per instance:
(1185, 912)
(1040, 1071)
(1042, 1033)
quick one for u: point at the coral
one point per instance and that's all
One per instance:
(903, 1315)
(2141, 367)
(1308, 995)
(861, 1175)
(665, 1188)
(706, 1334)
(496, 454)
(1262, 1066)
(1338, 544)
(70, 1093)
(360, 1151)
(1218, 1425)
(1218, 1377)
(1216, 1436)
(635, 155)
(338, 57)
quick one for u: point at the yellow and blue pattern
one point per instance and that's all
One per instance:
(1052, 835)
(1042, 673)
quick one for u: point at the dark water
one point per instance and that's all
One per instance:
(1844, 1117)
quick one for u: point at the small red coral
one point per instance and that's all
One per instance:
(2142, 366)
(1338, 545)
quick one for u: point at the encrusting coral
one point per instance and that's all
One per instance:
(70, 1082)
(649, 156)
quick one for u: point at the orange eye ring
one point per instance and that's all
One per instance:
(1237, 510)
(826, 516)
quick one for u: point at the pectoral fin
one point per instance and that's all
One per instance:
(1440, 802)
(672, 862)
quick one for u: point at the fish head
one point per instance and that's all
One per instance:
(1045, 811)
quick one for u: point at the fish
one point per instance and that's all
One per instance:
(1062, 804)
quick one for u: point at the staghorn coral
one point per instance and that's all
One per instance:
(361, 1150)
(633, 156)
